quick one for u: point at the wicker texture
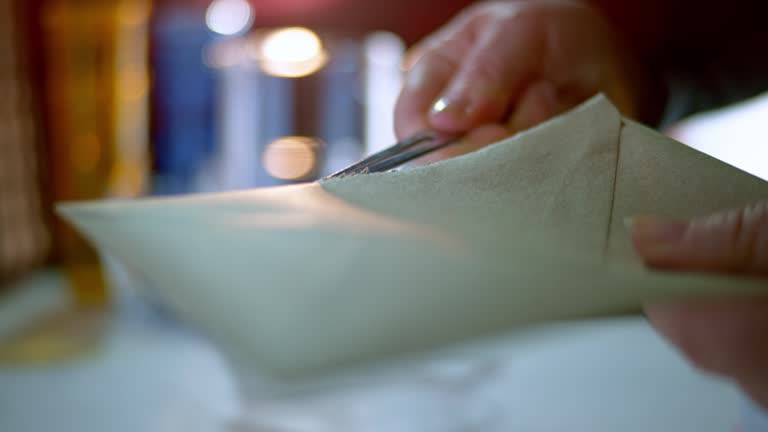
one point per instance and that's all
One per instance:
(24, 240)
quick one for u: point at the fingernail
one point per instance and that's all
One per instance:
(655, 232)
(416, 77)
(452, 107)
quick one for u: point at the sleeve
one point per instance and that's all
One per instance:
(703, 54)
(711, 76)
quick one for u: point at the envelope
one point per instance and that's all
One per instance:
(316, 277)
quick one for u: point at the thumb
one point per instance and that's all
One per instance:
(735, 241)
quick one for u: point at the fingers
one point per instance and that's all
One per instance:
(470, 72)
(725, 338)
(431, 65)
(502, 61)
(734, 241)
(728, 338)
(474, 140)
(539, 102)
(424, 82)
(717, 336)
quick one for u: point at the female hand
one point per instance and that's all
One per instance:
(502, 67)
(726, 338)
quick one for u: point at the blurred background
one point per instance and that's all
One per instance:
(125, 98)
(128, 98)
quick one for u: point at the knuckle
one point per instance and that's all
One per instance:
(485, 70)
(492, 8)
(436, 56)
(749, 234)
(737, 238)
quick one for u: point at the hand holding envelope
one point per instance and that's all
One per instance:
(500, 67)
(310, 278)
(504, 66)
(724, 337)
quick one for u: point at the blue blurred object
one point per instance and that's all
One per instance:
(183, 132)
(236, 109)
(341, 109)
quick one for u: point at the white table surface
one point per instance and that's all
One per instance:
(154, 376)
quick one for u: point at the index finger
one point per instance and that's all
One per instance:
(423, 84)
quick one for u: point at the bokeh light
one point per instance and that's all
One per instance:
(291, 52)
(229, 17)
(292, 158)
(226, 53)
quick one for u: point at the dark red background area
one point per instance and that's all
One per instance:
(412, 19)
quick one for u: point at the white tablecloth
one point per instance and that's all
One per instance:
(154, 376)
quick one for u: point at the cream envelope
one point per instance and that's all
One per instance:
(310, 278)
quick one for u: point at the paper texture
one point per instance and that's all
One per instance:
(309, 278)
